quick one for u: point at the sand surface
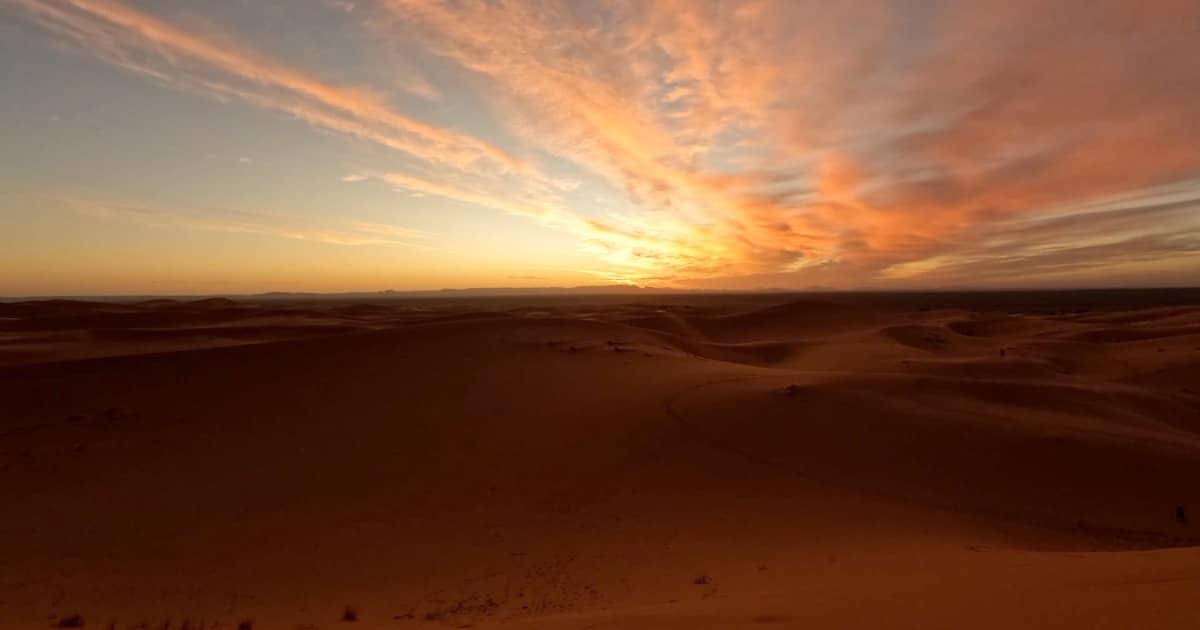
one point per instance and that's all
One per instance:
(827, 461)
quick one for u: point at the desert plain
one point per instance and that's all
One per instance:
(830, 460)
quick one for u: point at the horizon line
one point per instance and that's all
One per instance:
(613, 289)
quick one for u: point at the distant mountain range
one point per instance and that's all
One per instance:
(600, 289)
(603, 289)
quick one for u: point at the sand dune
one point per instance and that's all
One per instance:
(797, 319)
(686, 462)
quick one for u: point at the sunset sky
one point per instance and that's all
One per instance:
(178, 147)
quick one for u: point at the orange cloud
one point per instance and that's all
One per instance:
(769, 138)
(768, 141)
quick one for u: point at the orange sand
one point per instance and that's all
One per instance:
(684, 462)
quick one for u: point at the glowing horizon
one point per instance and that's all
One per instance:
(180, 147)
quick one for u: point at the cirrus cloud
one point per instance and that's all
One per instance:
(763, 141)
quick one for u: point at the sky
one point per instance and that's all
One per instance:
(239, 146)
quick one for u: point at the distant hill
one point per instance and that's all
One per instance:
(602, 289)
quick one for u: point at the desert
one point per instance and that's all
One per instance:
(924, 460)
(599, 314)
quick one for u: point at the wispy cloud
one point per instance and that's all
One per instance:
(773, 137)
(245, 222)
(1161, 225)
(758, 142)
(226, 68)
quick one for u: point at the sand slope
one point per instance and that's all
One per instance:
(618, 465)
